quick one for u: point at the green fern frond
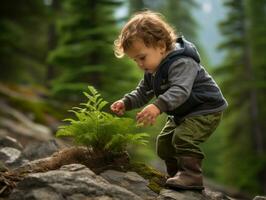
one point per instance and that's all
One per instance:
(101, 104)
(139, 138)
(92, 90)
(63, 131)
(98, 129)
(69, 120)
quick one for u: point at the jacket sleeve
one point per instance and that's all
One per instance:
(138, 97)
(181, 76)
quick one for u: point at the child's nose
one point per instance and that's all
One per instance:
(140, 64)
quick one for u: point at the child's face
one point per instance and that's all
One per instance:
(147, 58)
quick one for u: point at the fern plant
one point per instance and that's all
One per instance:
(100, 130)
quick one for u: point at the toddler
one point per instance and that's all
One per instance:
(183, 89)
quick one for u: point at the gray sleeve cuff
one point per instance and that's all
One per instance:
(161, 105)
(127, 102)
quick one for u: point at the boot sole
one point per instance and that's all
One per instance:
(198, 188)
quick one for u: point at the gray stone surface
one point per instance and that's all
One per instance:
(167, 194)
(11, 157)
(77, 182)
(7, 141)
(71, 182)
(206, 194)
(131, 181)
(38, 150)
(209, 194)
(260, 198)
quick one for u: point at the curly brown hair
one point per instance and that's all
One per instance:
(149, 26)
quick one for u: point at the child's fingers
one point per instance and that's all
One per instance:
(113, 106)
(141, 114)
(140, 117)
(153, 121)
(117, 106)
(120, 104)
(147, 122)
(114, 109)
(145, 119)
(120, 112)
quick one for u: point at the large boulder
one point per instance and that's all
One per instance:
(77, 182)
(70, 182)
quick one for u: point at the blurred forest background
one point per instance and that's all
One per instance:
(52, 50)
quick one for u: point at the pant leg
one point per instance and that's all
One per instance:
(193, 131)
(164, 148)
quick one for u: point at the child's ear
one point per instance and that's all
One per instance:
(162, 45)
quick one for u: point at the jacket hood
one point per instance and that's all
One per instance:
(185, 48)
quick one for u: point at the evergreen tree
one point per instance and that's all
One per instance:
(179, 14)
(84, 53)
(54, 12)
(242, 155)
(256, 37)
(22, 41)
(136, 5)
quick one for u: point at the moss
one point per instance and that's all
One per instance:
(154, 187)
(156, 178)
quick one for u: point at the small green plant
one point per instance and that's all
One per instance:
(100, 130)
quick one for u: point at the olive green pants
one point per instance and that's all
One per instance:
(184, 139)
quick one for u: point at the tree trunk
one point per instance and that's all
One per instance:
(52, 41)
(253, 99)
(258, 139)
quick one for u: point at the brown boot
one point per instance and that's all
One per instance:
(172, 166)
(189, 176)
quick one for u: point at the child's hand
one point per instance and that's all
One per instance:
(118, 107)
(148, 115)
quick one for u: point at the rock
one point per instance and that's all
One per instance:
(260, 198)
(209, 194)
(20, 124)
(223, 189)
(131, 181)
(10, 153)
(71, 182)
(38, 150)
(10, 142)
(77, 182)
(167, 194)
(11, 157)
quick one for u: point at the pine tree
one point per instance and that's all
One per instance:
(86, 32)
(256, 37)
(179, 14)
(135, 6)
(242, 150)
(22, 49)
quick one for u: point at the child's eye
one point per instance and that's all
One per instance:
(142, 57)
